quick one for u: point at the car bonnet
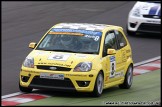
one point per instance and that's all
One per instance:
(62, 59)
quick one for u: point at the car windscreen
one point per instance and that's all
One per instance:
(77, 41)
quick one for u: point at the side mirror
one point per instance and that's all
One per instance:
(111, 51)
(32, 45)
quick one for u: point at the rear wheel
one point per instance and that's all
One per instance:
(25, 89)
(98, 88)
(128, 78)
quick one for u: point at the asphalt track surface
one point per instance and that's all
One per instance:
(26, 21)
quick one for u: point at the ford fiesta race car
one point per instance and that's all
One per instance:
(79, 56)
(145, 17)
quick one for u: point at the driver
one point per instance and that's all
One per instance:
(69, 42)
(87, 43)
(66, 40)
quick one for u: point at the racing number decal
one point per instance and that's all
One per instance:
(112, 66)
(58, 57)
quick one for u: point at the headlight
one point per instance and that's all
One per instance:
(29, 62)
(136, 12)
(83, 66)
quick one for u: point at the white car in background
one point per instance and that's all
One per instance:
(145, 17)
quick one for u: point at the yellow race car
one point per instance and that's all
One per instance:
(79, 56)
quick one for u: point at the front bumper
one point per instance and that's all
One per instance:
(144, 25)
(73, 81)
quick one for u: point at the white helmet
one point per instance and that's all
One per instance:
(66, 40)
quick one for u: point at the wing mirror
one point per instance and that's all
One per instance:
(111, 51)
(32, 45)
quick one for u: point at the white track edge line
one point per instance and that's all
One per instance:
(14, 94)
(11, 95)
(147, 61)
(136, 64)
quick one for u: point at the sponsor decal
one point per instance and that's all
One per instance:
(127, 51)
(60, 57)
(119, 74)
(112, 66)
(66, 33)
(107, 78)
(153, 21)
(88, 32)
(56, 64)
(61, 64)
(42, 63)
(30, 71)
(96, 38)
(129, 56)
(76, 75)
(112, 58)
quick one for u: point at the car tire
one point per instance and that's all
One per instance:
(98, 88)
(130, 33)
(128, 78)
(25, 89)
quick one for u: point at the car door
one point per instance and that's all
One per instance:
(113, 62)
(122, 46)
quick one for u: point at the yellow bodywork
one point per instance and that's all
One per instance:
(99, 64)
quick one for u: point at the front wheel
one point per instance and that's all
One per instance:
(128, 78)
(98, 88)
(25, 89)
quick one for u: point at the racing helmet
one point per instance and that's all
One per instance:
(66, 39)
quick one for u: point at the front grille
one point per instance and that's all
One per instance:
(52, 83)
(147, 27)
(55, 68)
(152, 16)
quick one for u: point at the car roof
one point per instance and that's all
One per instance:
(83, 26)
